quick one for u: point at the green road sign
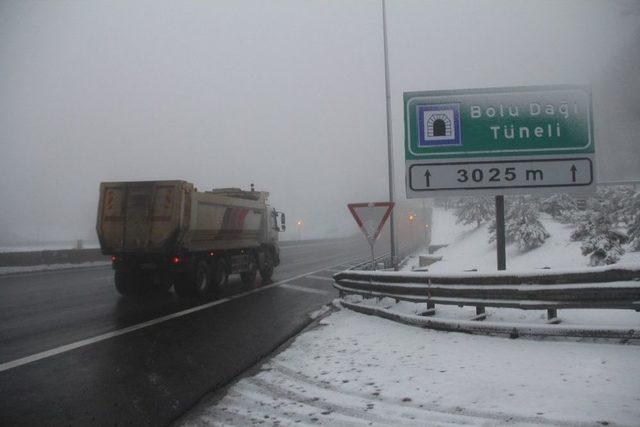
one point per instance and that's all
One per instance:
(500, 140)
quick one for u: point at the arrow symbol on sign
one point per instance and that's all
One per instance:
(573, 172)
(427, 175)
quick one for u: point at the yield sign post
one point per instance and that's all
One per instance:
(371, 218)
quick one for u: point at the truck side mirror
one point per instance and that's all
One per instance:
(283, 226)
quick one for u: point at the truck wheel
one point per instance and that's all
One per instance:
(202, 279)
(182, 285)
(219, 276)
(267, 267)
(249, 277)
(161, 283)
(195, 284)
(132, 283)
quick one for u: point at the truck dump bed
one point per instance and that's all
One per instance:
(171, 216)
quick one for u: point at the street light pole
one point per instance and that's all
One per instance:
(428, 222)
(394, 256)
(426, 237)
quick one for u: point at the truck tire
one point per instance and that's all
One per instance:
(129, 283)
(162, 283)
(219, 276)
(266, 270)
(181, 284)
(249, 277)
(202, 279)
(195, 284)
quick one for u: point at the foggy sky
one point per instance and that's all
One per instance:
(288, 95)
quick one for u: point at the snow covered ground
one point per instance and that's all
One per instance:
(49, 267)
(50, 246)
(355, 369)
(358, 370)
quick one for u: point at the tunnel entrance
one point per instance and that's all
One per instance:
(439, 128)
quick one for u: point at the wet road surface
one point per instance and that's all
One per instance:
(72, 351)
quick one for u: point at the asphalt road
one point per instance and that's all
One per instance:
(73, 352)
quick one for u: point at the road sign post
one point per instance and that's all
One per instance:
(500, 234)
(499, 141)
(371, 217)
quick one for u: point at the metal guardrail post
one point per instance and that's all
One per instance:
(480, 313)
(431, 306)
(431, 309)
(552, 316)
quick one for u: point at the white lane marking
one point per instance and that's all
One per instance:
(83, 343)
(313, 276)
(333, 270)
(304, 289)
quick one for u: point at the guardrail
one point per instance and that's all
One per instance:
(600, 287)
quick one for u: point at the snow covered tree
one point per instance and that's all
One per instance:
(583, 226)
(633, 229)
(603, 243)
(476, 210)
(522, 224)
(561, 207)
(614, 202)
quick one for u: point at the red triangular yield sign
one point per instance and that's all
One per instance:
(371, 217)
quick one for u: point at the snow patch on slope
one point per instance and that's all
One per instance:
(469, 249)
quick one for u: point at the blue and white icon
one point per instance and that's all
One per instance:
(439, 125)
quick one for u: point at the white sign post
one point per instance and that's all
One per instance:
(371, 218)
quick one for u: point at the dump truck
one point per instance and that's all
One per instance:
(161, 234)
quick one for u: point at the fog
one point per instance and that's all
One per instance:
(288, 95)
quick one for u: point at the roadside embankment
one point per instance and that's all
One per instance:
(63, 256)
